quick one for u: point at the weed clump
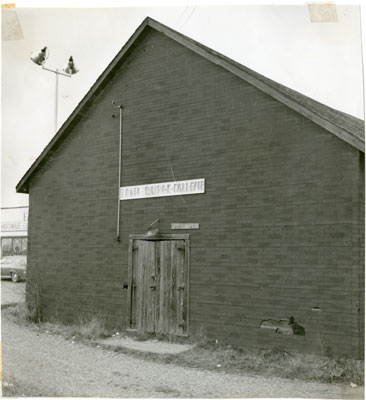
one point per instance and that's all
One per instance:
(87, 327)
(91, 327)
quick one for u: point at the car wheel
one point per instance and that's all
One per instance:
(14, 277)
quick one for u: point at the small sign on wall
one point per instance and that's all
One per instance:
(190, 225)
(175, 188)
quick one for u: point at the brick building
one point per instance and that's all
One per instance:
(241, 211)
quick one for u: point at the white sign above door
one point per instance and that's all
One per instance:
(175, 188)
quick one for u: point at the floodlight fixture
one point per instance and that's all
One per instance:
(41, 57)
(69, 70)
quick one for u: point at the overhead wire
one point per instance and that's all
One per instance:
(181, 15)
(189, 16)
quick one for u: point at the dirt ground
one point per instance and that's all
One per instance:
(12, 292)
(40, 364)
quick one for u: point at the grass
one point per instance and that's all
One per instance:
(211, 355)
(88, 327)
(274, 363)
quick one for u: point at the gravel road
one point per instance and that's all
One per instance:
(56, 367)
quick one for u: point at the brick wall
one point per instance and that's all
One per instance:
(279, 223)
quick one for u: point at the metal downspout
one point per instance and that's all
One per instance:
(119, 165)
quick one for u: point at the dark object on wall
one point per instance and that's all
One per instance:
(296, 328)
(279, 326)
(286, 326)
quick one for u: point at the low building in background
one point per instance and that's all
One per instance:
(14, 231)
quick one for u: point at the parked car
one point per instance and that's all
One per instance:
(14, 267)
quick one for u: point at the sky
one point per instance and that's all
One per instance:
(322, 60)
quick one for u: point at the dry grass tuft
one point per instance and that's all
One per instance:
(92, 326)
(87, 327)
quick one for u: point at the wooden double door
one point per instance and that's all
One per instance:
(158, 285)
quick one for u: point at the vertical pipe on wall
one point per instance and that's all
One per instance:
(119, 166)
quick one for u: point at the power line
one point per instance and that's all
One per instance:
(181, 15)
(189, 16)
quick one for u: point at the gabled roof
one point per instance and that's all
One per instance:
(346, 127)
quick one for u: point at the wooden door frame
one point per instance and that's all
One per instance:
(157, 237)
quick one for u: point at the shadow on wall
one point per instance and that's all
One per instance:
(287, 326)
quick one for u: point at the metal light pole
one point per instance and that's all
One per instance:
(40, 59)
